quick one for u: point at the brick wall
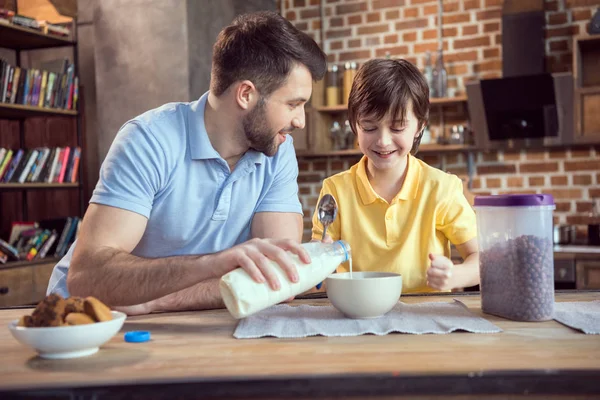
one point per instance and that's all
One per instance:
(357, 30)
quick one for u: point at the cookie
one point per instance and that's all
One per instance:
(49, 312)
(77, 318)
(74, 305)
(97, 309)
(25, 321)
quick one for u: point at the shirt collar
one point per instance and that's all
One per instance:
(200, 146)
(409, 188)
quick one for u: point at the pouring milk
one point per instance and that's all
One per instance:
(243, 296)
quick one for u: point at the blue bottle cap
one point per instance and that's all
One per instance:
(137, 336)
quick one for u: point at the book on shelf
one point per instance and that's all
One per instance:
(40, 165)
(48, 87)
(8, 251)
(6, 16)
(18, 227)
(31, 241)
(63, 30)
(54, 29)
(26, 22)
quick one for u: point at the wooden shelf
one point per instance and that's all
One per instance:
(328, 153)
(586, 37)
(17, 37)
(25, 263)
(447, 100)
(433, 101)
(18, 111)
(588, 90)
(338, 108)
(38, 185)
(424, 148)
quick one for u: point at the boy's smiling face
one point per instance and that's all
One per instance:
(389, 140)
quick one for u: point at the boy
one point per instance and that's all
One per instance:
(397, 213)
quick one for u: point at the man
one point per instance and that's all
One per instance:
(191, 191)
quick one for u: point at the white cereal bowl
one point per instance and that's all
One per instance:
(61, 342)
(366, 295)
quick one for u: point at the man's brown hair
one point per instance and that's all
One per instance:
(263, 47)
(384, 86)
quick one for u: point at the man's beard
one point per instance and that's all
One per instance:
(259, 134)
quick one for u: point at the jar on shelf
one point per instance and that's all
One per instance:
(332, 89)
(440, 77)
(349, 74)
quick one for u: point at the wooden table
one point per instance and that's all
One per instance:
(193, 354)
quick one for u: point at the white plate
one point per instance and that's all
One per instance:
(68, 341)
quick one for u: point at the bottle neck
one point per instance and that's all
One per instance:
(343, 249)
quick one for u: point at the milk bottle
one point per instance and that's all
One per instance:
(243, 296)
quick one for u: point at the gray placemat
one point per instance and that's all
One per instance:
(581, 315)
(285, 321)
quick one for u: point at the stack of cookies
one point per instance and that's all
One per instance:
(54, 310)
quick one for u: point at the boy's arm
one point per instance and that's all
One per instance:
(457, 222)
(467, 273)
(444, 275)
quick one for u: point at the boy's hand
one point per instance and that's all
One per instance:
(327, 239)
(440, 273)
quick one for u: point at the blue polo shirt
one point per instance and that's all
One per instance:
(162, 165)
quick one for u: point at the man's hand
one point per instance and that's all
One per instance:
(139, 309)
(440, 273)
(254, 255)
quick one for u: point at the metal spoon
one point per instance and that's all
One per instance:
(327, 209)
(327, 212)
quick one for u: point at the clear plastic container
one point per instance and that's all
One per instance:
(516, 256)
(243, 296)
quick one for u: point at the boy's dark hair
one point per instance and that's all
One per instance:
(263, 47)
(384, 86)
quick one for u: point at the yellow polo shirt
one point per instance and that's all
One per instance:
(428, 214)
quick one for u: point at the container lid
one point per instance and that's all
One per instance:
(514, 200)
(137, 336)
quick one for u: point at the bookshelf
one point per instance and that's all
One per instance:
(38, 185)
(17, 111)
(16, 37)
(33, 127)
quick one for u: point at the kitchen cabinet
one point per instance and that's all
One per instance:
(588, 274)
(586, 64)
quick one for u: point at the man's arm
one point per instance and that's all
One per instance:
(205, 295)
(278, 225)
(102, 265)
(202, 296)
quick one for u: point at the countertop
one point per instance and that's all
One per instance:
(193, 353)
